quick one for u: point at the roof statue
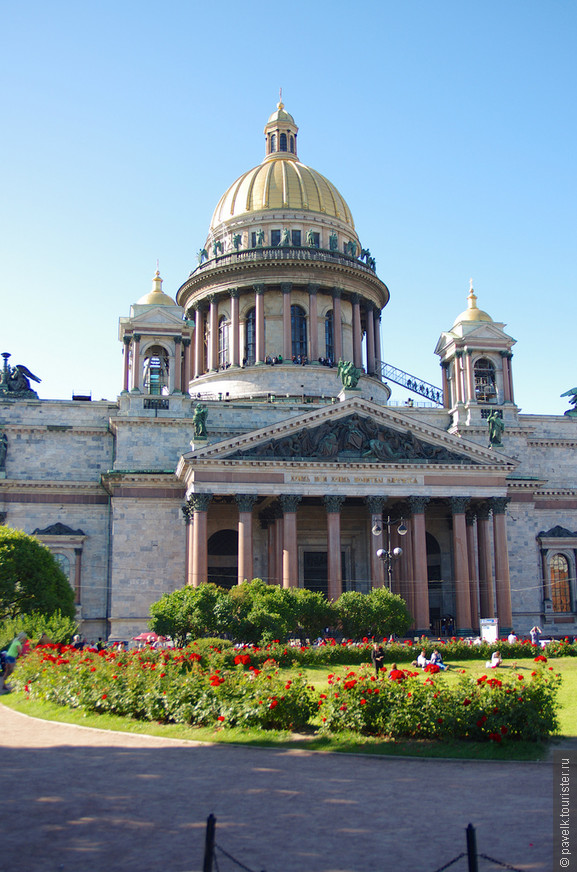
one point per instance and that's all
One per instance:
(349, 374)
(496, 428)
(15, 381)
(573, 394)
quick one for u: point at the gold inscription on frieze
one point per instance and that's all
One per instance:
(353, 479)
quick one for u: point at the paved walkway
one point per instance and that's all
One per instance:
(76, 799)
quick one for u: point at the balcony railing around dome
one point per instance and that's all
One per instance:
(288, 252)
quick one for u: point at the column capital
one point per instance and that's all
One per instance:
(445, 364)
(245, 502)
(186, 341)
(459, 504)
(375, 504)
(337, 293)
(289, 502)
(211, 298)
(234, 293)
(199, 502)
(259, 289)
(313, 289)
(499, 505)
(187, 512)
(470, 517)
(127, 339)
(333, 504)
(459, 354)
(177, 340)
(470, 352)
(418, 504)
(355, 299)
(483, 510)
(137, 337)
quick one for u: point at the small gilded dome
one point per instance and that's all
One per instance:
(156, 297)
(281, 116)
(472, 313)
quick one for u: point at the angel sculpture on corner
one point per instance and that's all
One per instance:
(15, 381)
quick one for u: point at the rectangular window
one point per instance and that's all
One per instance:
(296, 237)
(253, 240)
(275, 237)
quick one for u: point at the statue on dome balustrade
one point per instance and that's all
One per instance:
(333, 242)
(286, 237)
(236, 241)
(202, 255)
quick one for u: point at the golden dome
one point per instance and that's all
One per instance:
(281, 181)
(156, 297)
(472, 313)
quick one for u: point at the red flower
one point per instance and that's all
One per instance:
(104, 695)
(274, 702)
(220, 718)
(540, 659)
(495, 737)
(363, 701)
(343, 708)
(466, 702)
(439, 720)
(351, 683)
(504, 730)
(432, 668)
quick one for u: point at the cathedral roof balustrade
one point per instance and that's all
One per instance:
(277, 253)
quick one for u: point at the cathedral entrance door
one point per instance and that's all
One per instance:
(315, 571)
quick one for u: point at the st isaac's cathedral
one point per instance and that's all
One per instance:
(253, 437)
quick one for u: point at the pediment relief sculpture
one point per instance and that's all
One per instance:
(354, 438)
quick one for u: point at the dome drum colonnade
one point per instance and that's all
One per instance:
(477, 549)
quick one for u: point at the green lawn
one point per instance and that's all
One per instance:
(350, 743)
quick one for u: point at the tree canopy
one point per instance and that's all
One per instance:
(258, 612)
(30, 578)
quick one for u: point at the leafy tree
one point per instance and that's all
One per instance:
(261, 612)
(30, 578)
(313, 612)
(378, 613)
(192, 612)
(57, 627)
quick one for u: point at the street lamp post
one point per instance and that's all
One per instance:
(388, 554)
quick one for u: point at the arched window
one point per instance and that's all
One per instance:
(330, 335)
(156, 371)
(250, 336)
(222, 343)
(64, 563)
(273, 143)
(560, 586)
(292, 145)
(298, 331)
(485, 382)
(283, 142)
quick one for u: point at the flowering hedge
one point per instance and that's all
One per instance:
(222, 686)
(165, 686)
(484, 709)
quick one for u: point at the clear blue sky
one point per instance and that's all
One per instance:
(449, 128)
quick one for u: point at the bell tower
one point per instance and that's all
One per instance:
(476, 361)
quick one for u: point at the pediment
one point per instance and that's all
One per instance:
(158, 316)
(355, 431)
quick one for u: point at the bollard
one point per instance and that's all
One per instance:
(209, 843)
(472, 849)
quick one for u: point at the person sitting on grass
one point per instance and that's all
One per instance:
(495, 660)
(422, 660)
(437, 659)
(12, 653)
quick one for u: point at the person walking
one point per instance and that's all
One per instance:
(535, 633)
(12, 653)
(377, 657)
